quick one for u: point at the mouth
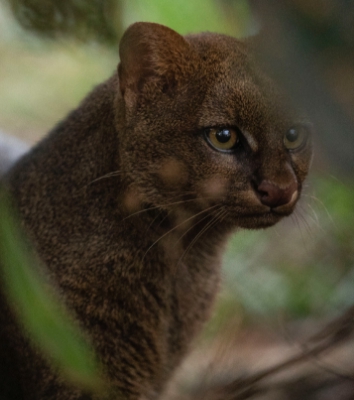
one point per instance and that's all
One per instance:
(257, 221)
(261, 219)
(255, 215)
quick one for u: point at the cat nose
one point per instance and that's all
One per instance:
(274, 196)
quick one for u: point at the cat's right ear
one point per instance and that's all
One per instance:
(152, 57)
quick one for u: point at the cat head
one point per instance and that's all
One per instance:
(205, 130)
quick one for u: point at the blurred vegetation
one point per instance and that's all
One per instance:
(104, 20)
(83, 19)
(303, 267)
(39, 307)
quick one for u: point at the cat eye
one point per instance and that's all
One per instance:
(222, 139)
(296, 137)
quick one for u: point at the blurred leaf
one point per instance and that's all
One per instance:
(40, 311)
(85, 20)
(187, 16)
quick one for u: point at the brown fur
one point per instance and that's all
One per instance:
(129, 207)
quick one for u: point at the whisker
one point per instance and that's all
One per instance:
(305, 221)
(335, 178)
(320, 202)
(304, 218)
(193, 226)
(314, 214)
(301, 211)
(167, 205)
(295, 217)
(109, 175)
(155, 208)
(157, 216)
(205, 228)
(276, 230)
(177, 226)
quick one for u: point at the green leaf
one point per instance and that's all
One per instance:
(187, 16)
(39, 309)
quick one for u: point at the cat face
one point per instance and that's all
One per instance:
(206, 131)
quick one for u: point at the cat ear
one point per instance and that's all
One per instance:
(153, 54)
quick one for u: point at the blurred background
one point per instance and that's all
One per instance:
(279, 284)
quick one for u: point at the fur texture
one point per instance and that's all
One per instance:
(129, 205)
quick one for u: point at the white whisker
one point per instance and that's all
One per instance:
(167, 205)
(109, 175)
(177, 226)
(320, 202)
(205, 228)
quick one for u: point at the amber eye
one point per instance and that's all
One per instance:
(222, 139)
(295, 137)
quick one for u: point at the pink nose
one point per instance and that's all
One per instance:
(273, 196)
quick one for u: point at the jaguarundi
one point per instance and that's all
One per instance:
(129, 202)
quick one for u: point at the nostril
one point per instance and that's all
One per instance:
(274, 196)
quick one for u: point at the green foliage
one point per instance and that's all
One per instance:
(187, 16)
(102, 20)
(79, 18)
(39, 310)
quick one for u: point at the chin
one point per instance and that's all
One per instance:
(259, 221)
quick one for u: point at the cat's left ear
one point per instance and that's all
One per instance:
(153, 57)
